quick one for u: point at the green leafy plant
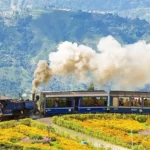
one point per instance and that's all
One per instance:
(35, 136)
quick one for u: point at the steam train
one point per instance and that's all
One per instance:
(12, 109)
(54, 103)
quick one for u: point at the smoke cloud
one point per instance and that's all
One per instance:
(41, 75)
(126, 66)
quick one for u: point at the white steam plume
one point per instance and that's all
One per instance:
(41, 75)
(125, 66)
(71, 58)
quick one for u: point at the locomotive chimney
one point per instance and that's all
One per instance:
(33, 96)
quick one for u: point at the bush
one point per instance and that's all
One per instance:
(10, 146)
(8, 124)
(38, 125)
(53, 138)
(35, 136)
(32, 148)
(141, 118)
(26, 121)
(139, 147)
(14, 139)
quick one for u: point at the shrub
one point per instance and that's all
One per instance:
(141, 118)
(32, 148)
(139, 147)
(26, 121)
(38, 125)
(10, 146)
(14, 139)
(8, 124)
(35, 136)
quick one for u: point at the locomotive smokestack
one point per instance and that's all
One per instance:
(33, 96)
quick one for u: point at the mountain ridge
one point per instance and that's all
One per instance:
(107, 5)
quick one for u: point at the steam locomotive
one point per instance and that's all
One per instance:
(12, 109)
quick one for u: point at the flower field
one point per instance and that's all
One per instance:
(131, 131)
(27, 134)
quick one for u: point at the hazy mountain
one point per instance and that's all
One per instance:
(101, 5)
(124, 8)
(26, 38)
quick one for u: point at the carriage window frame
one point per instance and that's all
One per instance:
(59, 102)
(124, 101)
(96, 101)
(136, 101)
(121, 101)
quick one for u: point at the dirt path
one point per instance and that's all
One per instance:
(74, 134)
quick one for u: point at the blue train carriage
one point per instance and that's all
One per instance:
(92, 101)
(54, 103)
(129, 102)
(74, 102)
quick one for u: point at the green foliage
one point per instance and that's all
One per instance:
(38, 125)
(54, 143)
(141, 118)
(8, 124)
(35, 136)
(139, 147)
(10, 146)
(91, 87)
(14, 140)
(82, 117)
(26, 121)
(33, 148)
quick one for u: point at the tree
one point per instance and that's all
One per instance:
(91, 87)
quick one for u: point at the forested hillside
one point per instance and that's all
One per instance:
(26, 38)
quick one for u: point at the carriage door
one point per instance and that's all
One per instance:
(76, 104)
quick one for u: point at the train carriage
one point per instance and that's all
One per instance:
(74, 102)
(129, 102)
(93, 102)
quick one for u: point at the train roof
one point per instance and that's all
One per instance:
(95, 93)
(74, 93)
(130, 93)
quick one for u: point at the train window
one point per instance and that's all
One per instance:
(124, 101)
(65, 102)
(146, 102)
(58, 102)
(62, 102)
(52, 102)
(136, 101)
(87, 101)
(84, 102)
(101, 101)
(93, 101)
